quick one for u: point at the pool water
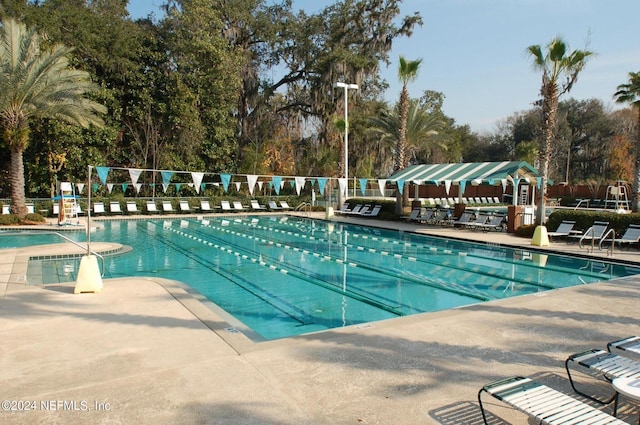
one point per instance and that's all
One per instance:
(281, 276)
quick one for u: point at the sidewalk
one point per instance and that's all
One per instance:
(145, 351)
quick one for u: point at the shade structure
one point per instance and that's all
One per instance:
(472, 172)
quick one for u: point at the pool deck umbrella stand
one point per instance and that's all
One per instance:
(89, 277)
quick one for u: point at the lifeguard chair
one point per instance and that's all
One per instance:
(68, 210)
(617, 196)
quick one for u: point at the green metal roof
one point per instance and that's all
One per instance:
(485, 172)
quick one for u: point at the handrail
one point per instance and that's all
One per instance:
(613, 241)
(580, 202)
(591, 231)
(305, 205)
(84, 247)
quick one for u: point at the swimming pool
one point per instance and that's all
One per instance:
(281, 276)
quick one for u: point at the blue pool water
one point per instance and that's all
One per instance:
(282, 276)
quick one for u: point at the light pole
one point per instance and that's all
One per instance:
(346, 88)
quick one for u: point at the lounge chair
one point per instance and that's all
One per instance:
(152, 208)
(226, 206)
(255, 205)
(98, 208)
(440, 216)
(494, 222)
(630, 345)
(359, 210)
(543, 403)
(631, 235)
(274, 207)
(132, 207)
(607, 365)
(415, 215)
(205, 206)
(237, 206)
(184, 206)
(285, 206)
(595, 233)
(355, 210)
(167, 207)
(465, 219)
(114, 207)
(372, 213)
(564, 229)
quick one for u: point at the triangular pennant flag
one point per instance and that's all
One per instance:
(166, 177)
(382, 183)
(539, 182)
(109, 187)
(165, 187)
(436, 182)
(447, 186)
(103, 172)
(134, 173)
(202, 186)
(95, 187)
(292, 183)
(124, 187)
(363, 186)
(313, 182)
(322, 182)
(138, 186)
(178, 186)
(237, 186)
(401, 186)
(197, 180)
(504, 185)
(226, 179)
(342, 183)
(251, 181)
(463, 185)
(277, 183)
(492, 182)
(260, 185)
(300, 181)
(80, 187)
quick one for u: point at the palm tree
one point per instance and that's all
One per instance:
(630, 93)
(407, 72)
(554, 63)
(37, 83)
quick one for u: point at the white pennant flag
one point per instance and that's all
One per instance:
(109, 187)
(504, 185)
(447, 185)
(237, 186)
(260, 185)
(381, 184)
(197, 180)
(251, 181)
(80, 187)
(134, 173)
(138, 186)
(343, 186)
(300, 181)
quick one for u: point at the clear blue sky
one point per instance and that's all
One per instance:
(474, 50)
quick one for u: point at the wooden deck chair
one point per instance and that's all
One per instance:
(543, 403)
(167, 207)
(152, 208)
(604, 364)
(132, 207)
(564, 229)
(184, 206)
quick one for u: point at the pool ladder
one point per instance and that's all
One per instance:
(85, 248)
(591, 231)
(305, 206)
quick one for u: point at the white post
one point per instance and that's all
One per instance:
(346, 88)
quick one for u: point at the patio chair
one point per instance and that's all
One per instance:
(355, 210)
(237, 206)
(359, 211)
(543, 403)
(604, 364)
(274, 207)
(205, 206)
(132, 207)
(372, 213)
(255, 205)
(415, 214)
(167, 207)
(466, 218)
(631, 235)
(98, 208)
(184, 206)
(6, 209)
(440, 216)
(564, 229)
(494, 222)
(114, 207)
(226, 206)
(152, 208)
(285, 206)
(595, 233)
(626, 345)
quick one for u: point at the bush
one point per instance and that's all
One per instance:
(9, 220)
(526, 231)
(585, 219)
(33, 218)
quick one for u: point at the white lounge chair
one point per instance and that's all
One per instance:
(226, 206)
(372, 213)
(255, 205)
(98, 208)
(184, 206)
(274, 207)
(152, 208)
(285, 206)
(543, 403)
(6, 209)
(205, 206)
(237, 206)
(114, 207)
(132, 207)
(167, 207)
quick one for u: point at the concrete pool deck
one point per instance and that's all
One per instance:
(145, 351)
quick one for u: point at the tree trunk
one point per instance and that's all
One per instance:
(549, 112)
(401, 147)
(16, 180)
(635, 203)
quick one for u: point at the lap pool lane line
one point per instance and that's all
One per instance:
(450, 288)
(237, 253)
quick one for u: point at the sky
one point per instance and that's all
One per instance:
(474, 51)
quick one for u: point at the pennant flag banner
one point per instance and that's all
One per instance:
(300, 181)
(504, 185)
(226, 179)
(447, 186)
(197, 180)
(110, 187)
(292, 183)
(237, 186)
(96, 186)
(80, 187)
(277, 183)
(463, 186)
(251, 181)
(134, 173)
(178, 186)
(492, 182)
(363, 186)
(103, 172)
(382, 183)
(124, 187)
(539, 182)
(342, 183)
(166, 177)
(138, 186)
(322, 182)
(260, 184)
(401, 186)
(202, 186)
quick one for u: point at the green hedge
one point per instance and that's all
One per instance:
(585, 219)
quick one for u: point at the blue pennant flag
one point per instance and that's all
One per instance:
(124, 187)
(401, 186)
(463, 185)
(277, 181)
(322, 182)
(363, 186)
(226, 179)
(178, 186)
(102, 173)
(96, 186)
(166, 177)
